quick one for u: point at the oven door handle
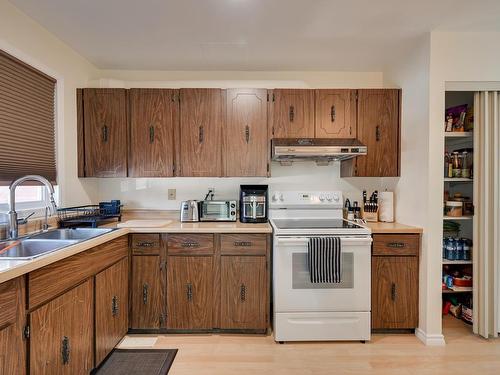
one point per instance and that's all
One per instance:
(305, 240)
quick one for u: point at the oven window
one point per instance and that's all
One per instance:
(214, 209)
(301, 279)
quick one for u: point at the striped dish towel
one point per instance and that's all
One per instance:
(324, 255)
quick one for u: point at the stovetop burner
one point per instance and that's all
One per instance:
(315, 224)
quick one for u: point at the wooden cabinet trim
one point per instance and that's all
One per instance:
(335, 113)
(293, 113)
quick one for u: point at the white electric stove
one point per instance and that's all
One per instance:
(304, 311)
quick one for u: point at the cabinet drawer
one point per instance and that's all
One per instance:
(396, 244)
(190, 244)
(243, 244)
(48, 282)
(145, 244)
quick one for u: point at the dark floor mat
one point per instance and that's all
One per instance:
(138, 361)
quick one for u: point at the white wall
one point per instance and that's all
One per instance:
(25, 39)
(412, 74)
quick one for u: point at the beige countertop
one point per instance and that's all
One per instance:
(10, 269)
(388, 228)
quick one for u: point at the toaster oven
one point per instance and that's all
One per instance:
(217, 210)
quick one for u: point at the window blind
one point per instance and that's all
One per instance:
(27, 121)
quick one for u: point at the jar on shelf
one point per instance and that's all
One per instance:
(453, 208)
(456, 162)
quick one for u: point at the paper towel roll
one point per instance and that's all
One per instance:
(386, 206)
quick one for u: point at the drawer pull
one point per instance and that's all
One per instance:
(145, 244)
(291, 113)
(332, 113)
(114, 306)
(189, 292)
(145, 293)
(190, 244)
(393, 292)
(65, 350)
(397, 245)
(242, 243)
(243, 292)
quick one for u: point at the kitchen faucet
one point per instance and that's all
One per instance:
(13, 220)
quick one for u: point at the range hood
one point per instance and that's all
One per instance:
(320, 150)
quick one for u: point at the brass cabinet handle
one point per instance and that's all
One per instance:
(190, 244)
(393, 291)
(377, 133)
(114, 306)
(200, 134)
(397, 245)
(145, 293)
(247, 133)
(332, 113)
(243, 292)
(145, 244)
(291, 113)
(151, 134)
(189, 292)
(242, 243)
(65, 350)
(105, 134)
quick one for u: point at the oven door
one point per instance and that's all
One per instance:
(293, 290)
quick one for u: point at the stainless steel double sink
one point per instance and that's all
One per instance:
(36, 245)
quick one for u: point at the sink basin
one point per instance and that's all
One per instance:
(31, 248)
(79, 234)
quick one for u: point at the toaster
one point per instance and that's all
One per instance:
(189, 211)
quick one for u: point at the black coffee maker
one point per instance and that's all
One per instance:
(253, 203)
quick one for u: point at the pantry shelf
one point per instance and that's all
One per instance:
(445, 261)
(457, 217)
(458, 290)
(458, 179)
(458, 134)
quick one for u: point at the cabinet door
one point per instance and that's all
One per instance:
(146, 292)
(394, 292)
(378, 129)
(245, 134)
(189, 292)
(111, 308)
(105, 132)
(200, 132)
(12, 321)
(335, 114)
(243, 292)
(61, 333)
(293, 113)
(153, 121)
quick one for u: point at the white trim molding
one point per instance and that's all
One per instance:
(430, 340)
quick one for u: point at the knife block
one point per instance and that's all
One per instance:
(369, 216)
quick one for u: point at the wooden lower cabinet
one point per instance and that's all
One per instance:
(146, 292)
(190, 292)
(394, 292)
(243, 292)
(111, 308)
(61, 333)
(12, 320)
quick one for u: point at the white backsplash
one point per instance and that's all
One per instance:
(152, 193)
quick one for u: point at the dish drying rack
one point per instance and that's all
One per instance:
(89, 215)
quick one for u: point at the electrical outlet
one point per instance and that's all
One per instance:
(171, 194)
(212, 189)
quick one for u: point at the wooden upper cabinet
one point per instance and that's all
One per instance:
(153, 123)
(61, 333)
(111, 308)
(379, 129)
(105, 132)
(335, 114)
(245, 135)
(200, 138)
(293, 113)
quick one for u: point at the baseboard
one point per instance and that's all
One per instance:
(430, 340)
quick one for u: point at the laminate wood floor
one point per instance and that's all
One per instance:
(396, 354)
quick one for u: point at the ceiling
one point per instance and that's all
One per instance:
(354, 35)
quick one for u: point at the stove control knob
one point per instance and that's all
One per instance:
(275, 197)
(329, 197)
(322, 197)
(336, 198)
(281, 198)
